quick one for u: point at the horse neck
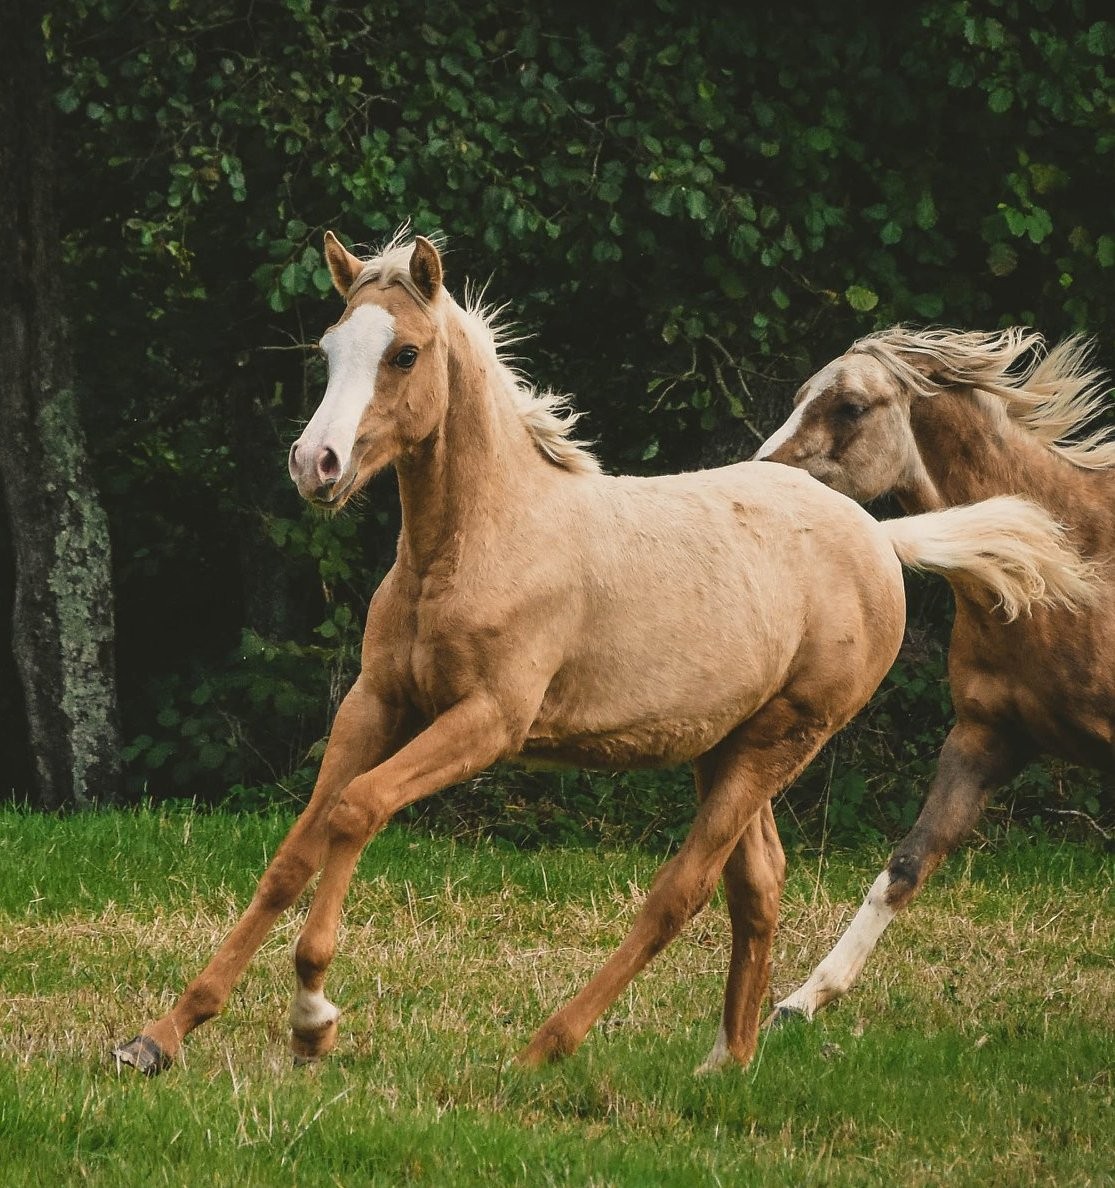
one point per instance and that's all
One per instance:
(472, 469)
(969, 453)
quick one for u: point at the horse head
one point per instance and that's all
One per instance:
(388, 378)
(850, 428)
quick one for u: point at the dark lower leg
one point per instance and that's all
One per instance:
(974, 762)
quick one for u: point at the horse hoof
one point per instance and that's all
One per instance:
(532, 1056)
(142, 1054)
(549, 1045)
(781, 1016)
(308, 1047)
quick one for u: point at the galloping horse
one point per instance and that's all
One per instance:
(733, 618)
(941, 418)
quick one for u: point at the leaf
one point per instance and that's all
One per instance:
(1039, 225)
(696, 203)
(1002, 259)
(1105, 250)
(1000, 100)
(861, 298)
(927, 305)
(732, 285)
(211, 755)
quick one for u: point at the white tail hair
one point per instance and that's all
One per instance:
(1010, 545)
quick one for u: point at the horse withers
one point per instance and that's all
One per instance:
(942, 418)
(539, 608)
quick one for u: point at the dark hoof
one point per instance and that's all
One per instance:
(782, 1016)
(142, 1054)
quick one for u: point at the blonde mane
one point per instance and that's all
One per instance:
(545, 414)
(1053, 393)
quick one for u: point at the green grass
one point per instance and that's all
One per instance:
(979, 1047)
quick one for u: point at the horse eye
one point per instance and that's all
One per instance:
(852, 411)
(406, 358)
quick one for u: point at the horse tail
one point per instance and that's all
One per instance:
(1007, 544)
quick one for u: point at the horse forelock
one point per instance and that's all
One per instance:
(547, 416)
(1055, 394)
(390, 266)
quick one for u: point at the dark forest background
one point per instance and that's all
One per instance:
(687, 207)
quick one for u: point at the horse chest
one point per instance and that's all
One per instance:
(435, 674)
(447, 657)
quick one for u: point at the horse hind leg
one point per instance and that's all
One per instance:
(753, 878)
(974, 762)
(747, 769)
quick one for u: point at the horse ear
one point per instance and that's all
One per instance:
(933, 369)
(425, 267)
(343, 265)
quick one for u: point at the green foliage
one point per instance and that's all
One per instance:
(688, 209)
(258, 720)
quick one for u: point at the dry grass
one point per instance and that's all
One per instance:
(979, 1044)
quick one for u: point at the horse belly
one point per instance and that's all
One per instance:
(1039, 673)
(638, 745)
(661, 702)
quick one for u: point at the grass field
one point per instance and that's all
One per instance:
(978, 1049)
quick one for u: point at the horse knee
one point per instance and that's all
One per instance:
(351, 823)
(283, 881)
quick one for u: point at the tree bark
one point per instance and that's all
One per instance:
(62, 620)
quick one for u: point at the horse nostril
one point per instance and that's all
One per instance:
(328, 466)
(292, 460)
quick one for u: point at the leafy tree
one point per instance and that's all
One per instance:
(687, 208)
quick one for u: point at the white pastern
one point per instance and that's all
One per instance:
(311, 1010)
(355, 350)
(837, 973)
(719, 1056)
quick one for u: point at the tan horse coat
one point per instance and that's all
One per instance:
(538, 608)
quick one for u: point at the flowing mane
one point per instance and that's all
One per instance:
(1053, 393)
(546, 415)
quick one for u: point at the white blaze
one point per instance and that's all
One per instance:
(354, 350)
(816, 386)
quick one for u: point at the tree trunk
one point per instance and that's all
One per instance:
(62, 620)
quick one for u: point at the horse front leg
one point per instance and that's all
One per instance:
(975, 761)
(365, 730)
(462, 741)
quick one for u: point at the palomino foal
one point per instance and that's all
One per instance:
(942, 418)
(733, 618)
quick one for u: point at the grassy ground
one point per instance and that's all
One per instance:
(979, 1048)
